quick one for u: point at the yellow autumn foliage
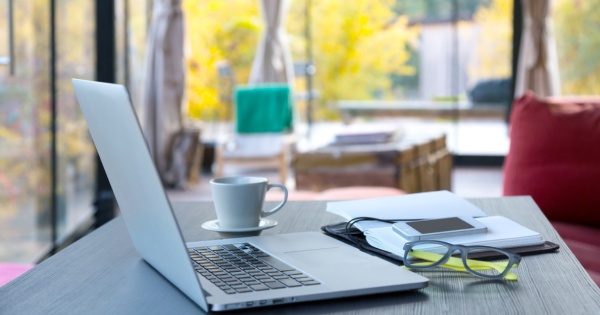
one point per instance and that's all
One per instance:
(356, 46)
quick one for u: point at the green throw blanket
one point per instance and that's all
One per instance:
(263, 108)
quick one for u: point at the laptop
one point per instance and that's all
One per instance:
(224, 274)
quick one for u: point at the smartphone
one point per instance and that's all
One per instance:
(438, 228)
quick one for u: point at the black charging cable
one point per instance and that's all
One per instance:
(352, 234)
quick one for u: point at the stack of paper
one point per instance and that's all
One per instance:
(501, 232)
(427, 205)
(361, 133)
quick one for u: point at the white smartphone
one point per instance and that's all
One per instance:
(438, 228)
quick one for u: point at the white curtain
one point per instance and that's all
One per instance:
(273, 59)
(537, 68)
(164, 85)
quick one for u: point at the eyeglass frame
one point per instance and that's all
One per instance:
(513, 259)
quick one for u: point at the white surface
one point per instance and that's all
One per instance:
(254, 145)
(264, 224)
(428, 205)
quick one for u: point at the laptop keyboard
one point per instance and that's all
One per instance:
(239, 268)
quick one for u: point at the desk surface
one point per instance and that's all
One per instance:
(102, 273)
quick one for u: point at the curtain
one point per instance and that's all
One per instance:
(537, 68)
(273, 59)
(164, 85)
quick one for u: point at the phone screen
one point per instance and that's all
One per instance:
(439, 225)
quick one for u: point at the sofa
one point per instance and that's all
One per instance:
(554, 157)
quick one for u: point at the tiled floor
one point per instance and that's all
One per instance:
(467, 182)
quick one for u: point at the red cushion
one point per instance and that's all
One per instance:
(554, 156)
(579, 233)
(595, 276)
(587, 254)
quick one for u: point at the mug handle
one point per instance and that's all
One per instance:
(279, 206)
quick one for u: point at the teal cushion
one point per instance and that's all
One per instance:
(263, 108)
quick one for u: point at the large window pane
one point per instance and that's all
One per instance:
(132, 18)
(453, 55)
(428, 55)
(76, 154)
(25, 185)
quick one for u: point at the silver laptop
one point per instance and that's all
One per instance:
(222, 274)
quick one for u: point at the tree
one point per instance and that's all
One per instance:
(576, 24)
(217, 31)
(494, 47)
(357, 46)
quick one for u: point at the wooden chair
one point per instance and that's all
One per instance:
(263, 116)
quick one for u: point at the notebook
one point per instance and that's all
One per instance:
(301, 266)
(416, 206)
(379, 238)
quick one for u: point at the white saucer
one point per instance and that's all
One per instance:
(262, 225)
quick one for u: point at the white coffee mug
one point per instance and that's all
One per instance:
(239, 200)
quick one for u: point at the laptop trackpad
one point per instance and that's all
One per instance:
(321, 256)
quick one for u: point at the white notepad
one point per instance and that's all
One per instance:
(427, 205)
(502, 232)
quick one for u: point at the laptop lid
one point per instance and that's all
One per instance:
(137, 187)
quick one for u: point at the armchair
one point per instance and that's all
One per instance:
(554, 156)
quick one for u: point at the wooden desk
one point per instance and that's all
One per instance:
(103, 274)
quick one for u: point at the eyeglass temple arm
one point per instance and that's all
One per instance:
(457, 263)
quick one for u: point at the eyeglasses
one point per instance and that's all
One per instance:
(431, 253)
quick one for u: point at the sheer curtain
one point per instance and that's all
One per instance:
(537, 68)
(273, 59)
(164, 85)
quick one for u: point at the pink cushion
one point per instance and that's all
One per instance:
(554, 156)
(342, 193)
(293, 195)
(358, 192)
(8, 272)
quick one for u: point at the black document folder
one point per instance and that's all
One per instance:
(338, 231)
